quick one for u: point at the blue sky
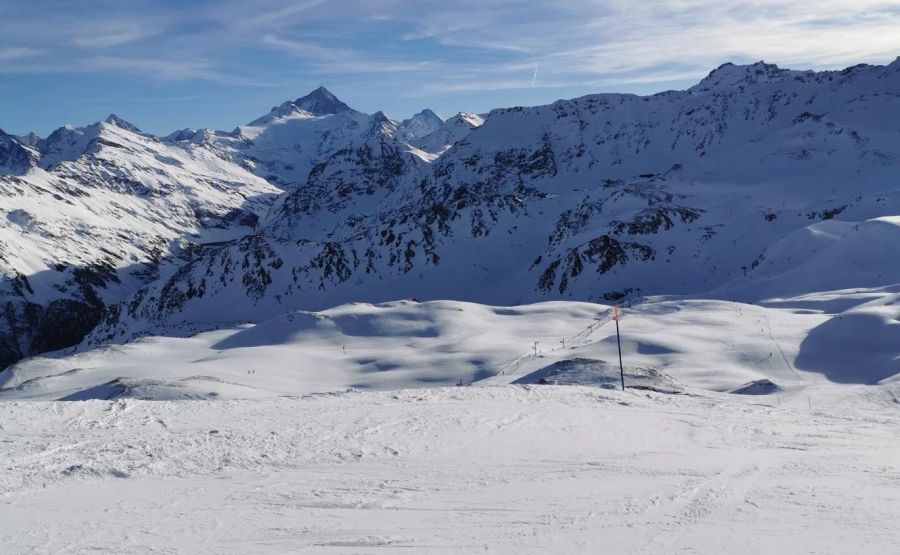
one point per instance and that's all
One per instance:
(165, 64)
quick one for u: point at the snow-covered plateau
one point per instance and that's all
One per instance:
(330, 331)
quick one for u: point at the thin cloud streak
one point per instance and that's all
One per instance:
(16, 52)
(112, 38)
(342, 60)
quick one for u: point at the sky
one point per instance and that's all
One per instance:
(167, 64)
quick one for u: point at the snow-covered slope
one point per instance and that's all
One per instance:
(111, 211)
(595, 198)
(389, 346)
(827, 256)
(706, 344)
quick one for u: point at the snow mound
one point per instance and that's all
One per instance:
(192, 388)
(861, 345)
(757, 387)
(599, 373)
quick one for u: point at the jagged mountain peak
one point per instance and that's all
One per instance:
(29, 139)
(382, 123)
(321, 102)
(730, 75)
(68, 142)
(189, 134)
(434, 135)
(422, 124)
(15, 157)
(467, 118)
(427, 115)
(113, 119)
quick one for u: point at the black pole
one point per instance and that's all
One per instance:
(621, 368)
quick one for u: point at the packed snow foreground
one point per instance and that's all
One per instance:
(530, 469)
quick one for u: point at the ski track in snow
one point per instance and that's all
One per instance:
(504, 469)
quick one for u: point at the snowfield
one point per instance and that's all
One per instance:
(301, 434)
(814, 353)
(505, 469)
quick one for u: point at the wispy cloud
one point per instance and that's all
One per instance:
(164, 69)
(654, 41)
(345, 60)
(434, 46)
(113, 34)
(263, 15)
(16, 52)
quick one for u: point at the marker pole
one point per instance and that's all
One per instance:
(619, 343)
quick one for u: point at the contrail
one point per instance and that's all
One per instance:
(534, 77)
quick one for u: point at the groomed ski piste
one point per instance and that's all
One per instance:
(744, 429)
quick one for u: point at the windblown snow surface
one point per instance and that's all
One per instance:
(531, 469)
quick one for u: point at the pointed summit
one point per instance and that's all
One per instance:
(113, 119)
(422, 124)
(15, 158)
(428, 115)
(31, 139)
(466, 119)
(321, 102)
(381, 123)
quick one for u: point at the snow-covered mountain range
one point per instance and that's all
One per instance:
(757, 184)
